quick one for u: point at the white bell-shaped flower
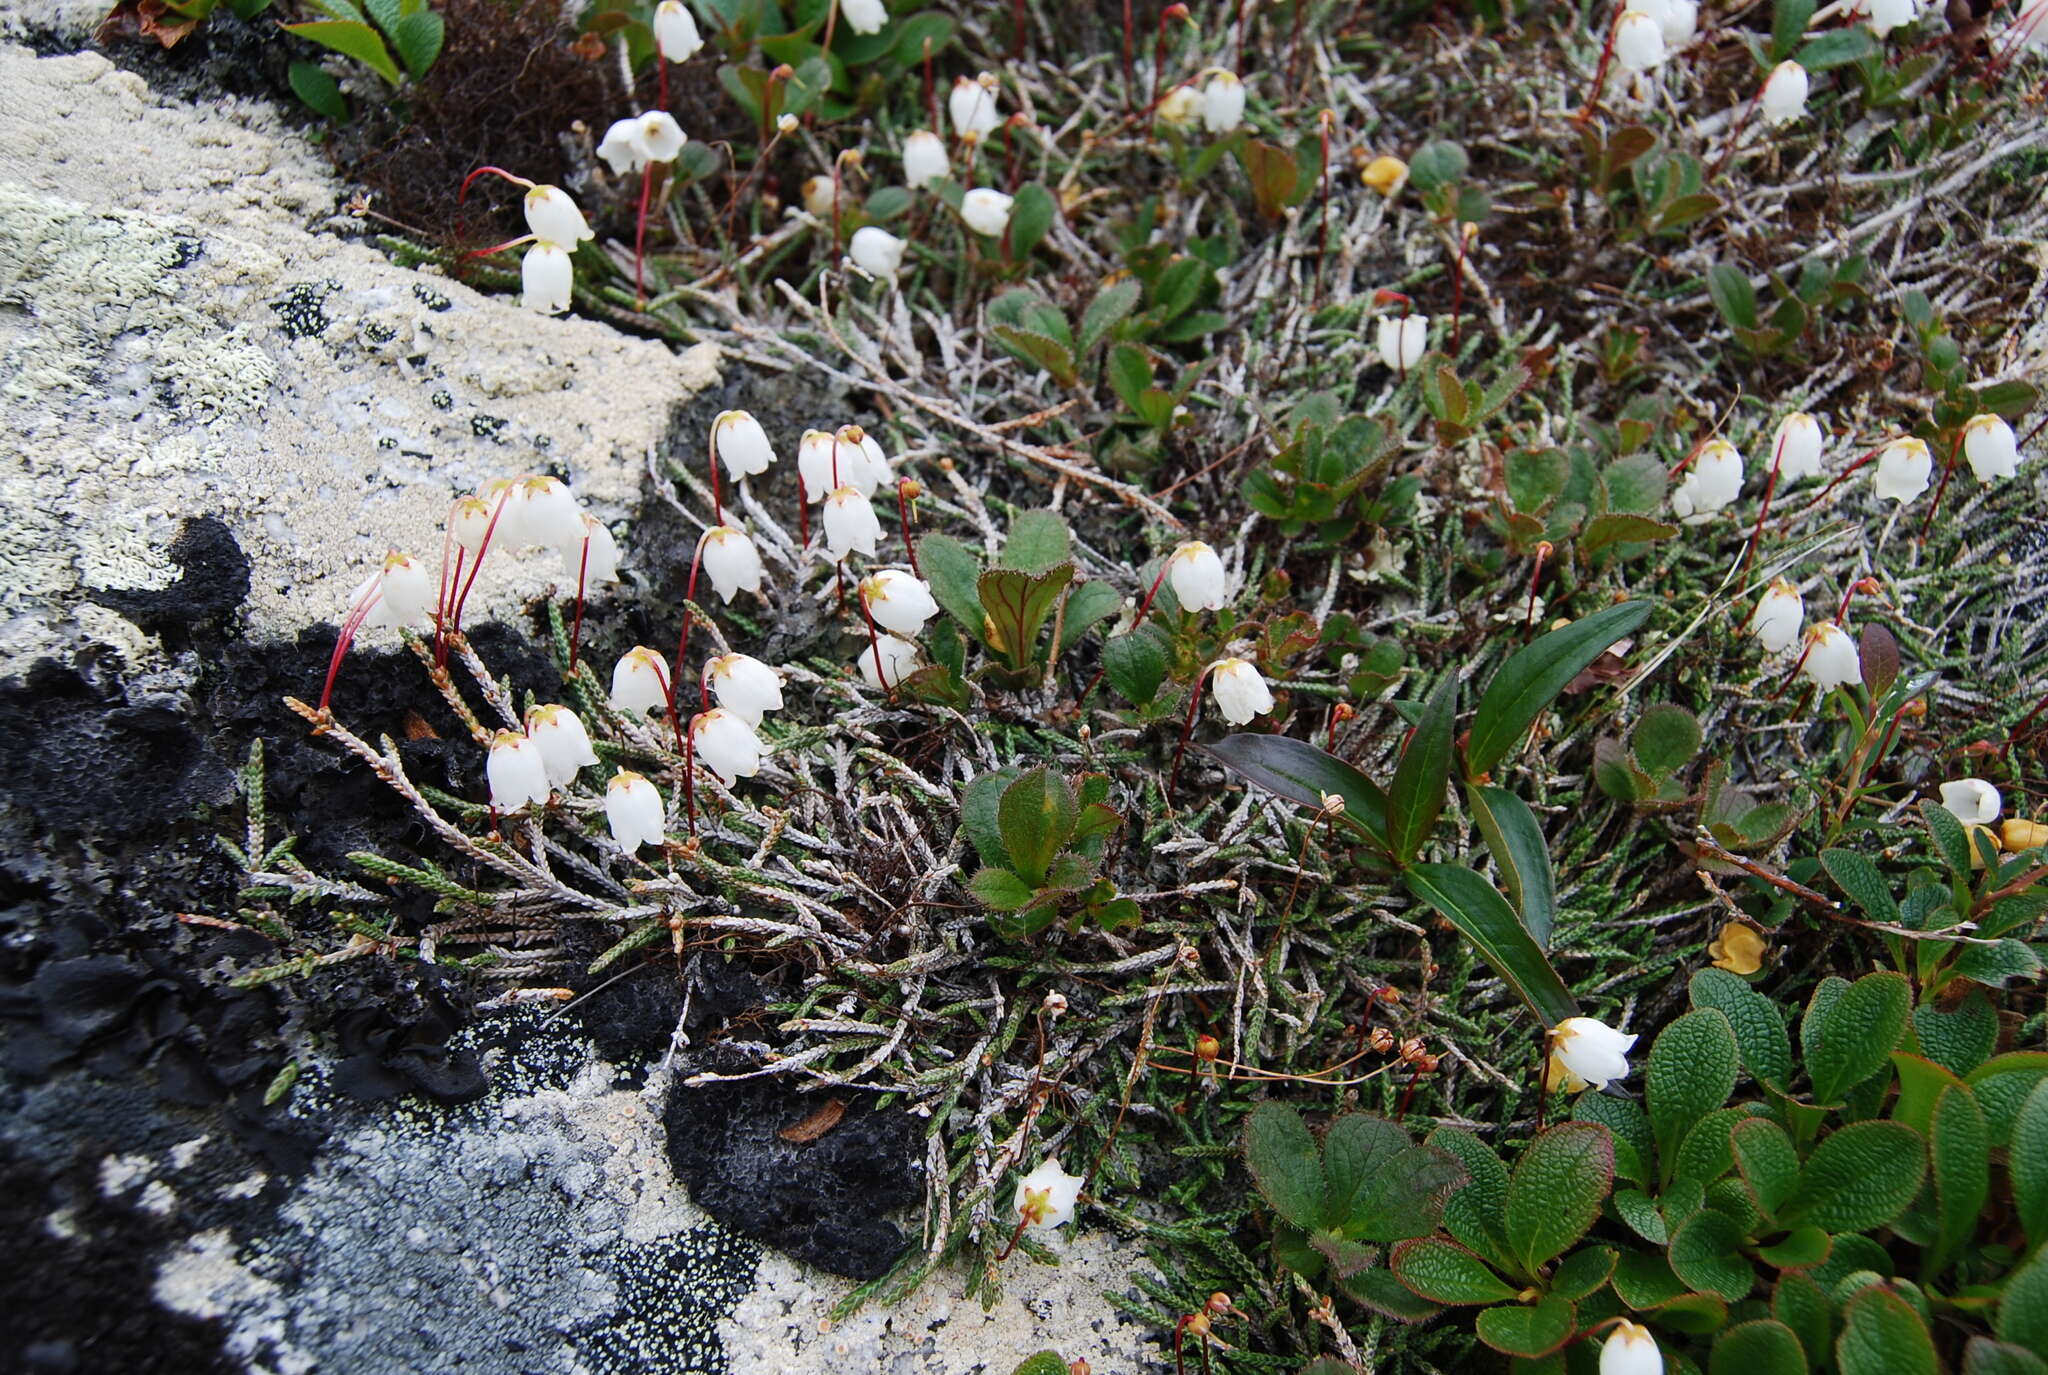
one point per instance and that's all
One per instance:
(399, 593)
(1885, 15)
(986, 211)
(731, 561)
(742, 444)
(973, 107)
(507, 503)
(1240, 692)
(639, 681)
(1779, 614)
(1991, 447)
(827, 461)
(1222, 100)
(1784, 94)
(924, 159)
(899, 660)
(1797, 447)
(1678, 21)
(864, 16)
(1403, 340)
(1630, 1350)
(543, 511)
(622, 148)
(1974, 802)
(1590, 1051)
(1903, 469)
(1830, 660)
(564, 744)
(675, 31)
(817, 196)
(1046, 1197)
(1712, 483)
(1639, 42)
(898, 601)
(546, 278)
(1180, 107)
(873, 471)
(851, 526)
(1196, 573)
(630, 144)
(876, 252)
(516, 772)
(469, 519)
(744, 686)
(633, 807)
(594, 559)
(726, 745)
(552, 217)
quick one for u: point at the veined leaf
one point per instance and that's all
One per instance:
(351, 39)
(1519, 852)
(1482, 916)
(1416, 796)
(1533, 677)
(1299, 772)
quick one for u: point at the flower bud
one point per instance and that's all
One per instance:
(1196, 573)
(1240, 692)
(1046, 1197)
(1830, 661)
(744, 686)
(817, 196)
(1589, 1050)
(1991, 447)
(564, 744)
(1797, 447)
(546, 278)
(1903, 469)
(516, 772)
(1403, 340)
(1712, 482)
(899, 659)
(898, 602)
(986, 211)
(726, 745)
(639, 681)
(1630, 1350)
(1638, 42)
(552, 217)
(1778, 616)
(675, 31)
(973, 108)
(398, 594)
(1784, 94)
(876, 251)
(593, 559)
(731, 561)
(924, 159)
(633, 807)
(742, 444)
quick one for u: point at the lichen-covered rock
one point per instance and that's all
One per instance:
(191, 327)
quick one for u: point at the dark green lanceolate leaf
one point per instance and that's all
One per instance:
(1037, 815)
(1533, 677)
(1706, 1252)
(1529, 1332)
(1848, 1035)
(1959, 1158)
(1837, 48)
(2029, 1162)
(1286, 1164)
(321, 92)
(418, 37)
(1732, 294)
(980, 813)
(351, 39)
(1859, 1178)
(1416, 796)
(1767, 1161)
(1882, 1335)
(1037, 543)
(1442, 1271)
(952, 569)
(1091, 603)
(1482, 916)
(1299, 772)
(1789, 19)
(1760, 1036)
(1691, 1072)
(1555, 1191)
(1016, 606)
(1951, 841)
(1030, 219)
(2023, 1308)
(1519, 852)
(1763, 1347)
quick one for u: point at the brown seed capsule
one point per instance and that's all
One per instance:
(1382, 1039)
(1207, 1048)
(1426, 1063)
(1411, 1049)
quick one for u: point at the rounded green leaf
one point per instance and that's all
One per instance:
(1442, 1271)
(1556, 1189)
(2023, 1308)
(1802, 1248)
(1986, 1357)
(2029, 1163)
(1532, 678)
(1882, 1335)
(1854, 1033)
(1800, 1304)
(1691, 1073)
(1763, 1347)
(1534, 1331)
(1285, 1163)
(1959, 1157)
(1859, 1178)
(1582, 1272)
(1765, 1158)
(1665, 738)
(1706, 1252)
(1760, 1036)
(1634, 1149)
(1044, 1363)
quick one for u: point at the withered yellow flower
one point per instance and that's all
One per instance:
(1738, 948)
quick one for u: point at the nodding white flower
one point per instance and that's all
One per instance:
(630, 144)
(546, 280)
(1974, 802)
(1222, 100)
(1713, 481)
(516, 772)
(1196, 572)
(1403, 340)
(639, 681)
(876, 251)
(1638, 42)
(742, 444)
(986, 211)
(851, 526)
(744, 686)
(1797, 447)
(1903, 469)
(827, 461)
(593, 559)
(1779, 614)
(633, 807)
(542, 510)
(924, 159)
(726, 745)
(621, 146)
(1677, 20)
(1589, 1051)
(1784, 94)
(1830, 660)
(731, 561)
(898, 601)
(675, 31)
(553, 217)
(399, 593)
(564, 744)
(1990, 445)
(1885, 15)
(1630, 1350)
(899, 659)
(1180, 107)
(864, 16)
(1240, 692)
(873, 463)
(818, 196)
(1046, 1197)
(973, 108)
(468, 520)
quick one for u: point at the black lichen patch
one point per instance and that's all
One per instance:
(430, 298)
(632, 1013)
(394, 1029)
(212, 582)
(672, 1294)
(827, 1202)
(301, 312)
(487, 426)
